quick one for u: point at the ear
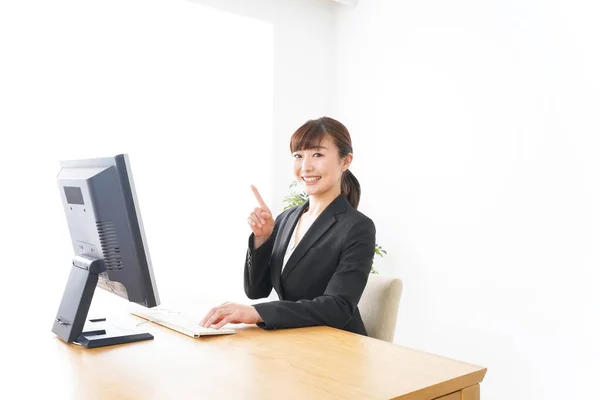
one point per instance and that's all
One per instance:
(346, 161)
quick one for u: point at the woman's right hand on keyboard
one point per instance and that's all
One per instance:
(260, 220)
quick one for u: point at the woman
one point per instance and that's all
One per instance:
(316, 256)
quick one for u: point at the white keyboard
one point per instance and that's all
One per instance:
(179, 321)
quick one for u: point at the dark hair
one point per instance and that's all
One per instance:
(309, 136)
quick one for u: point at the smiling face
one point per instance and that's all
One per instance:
(319, 170)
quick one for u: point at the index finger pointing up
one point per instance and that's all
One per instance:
(260, 200)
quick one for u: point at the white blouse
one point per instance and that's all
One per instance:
(290, 248)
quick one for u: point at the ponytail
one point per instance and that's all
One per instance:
(351, 188)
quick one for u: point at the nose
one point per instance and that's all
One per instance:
(306, 164)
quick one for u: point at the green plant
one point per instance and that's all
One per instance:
(297, 197)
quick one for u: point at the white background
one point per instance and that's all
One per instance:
(475, 134)
(184, 89)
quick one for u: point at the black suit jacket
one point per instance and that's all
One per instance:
(325, 275)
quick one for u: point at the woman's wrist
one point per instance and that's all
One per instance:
(259, 241)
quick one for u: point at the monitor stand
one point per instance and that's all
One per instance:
(70, 322)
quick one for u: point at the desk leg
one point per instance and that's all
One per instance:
(470, 393)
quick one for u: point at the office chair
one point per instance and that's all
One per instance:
(379, 306)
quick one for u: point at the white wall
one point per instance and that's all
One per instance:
(184, 89)
(476, 135)
(203, 95)
(303, 33)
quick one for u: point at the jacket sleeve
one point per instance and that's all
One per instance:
(257, 269)
(336, 306)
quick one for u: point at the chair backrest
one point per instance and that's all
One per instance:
(379, 306)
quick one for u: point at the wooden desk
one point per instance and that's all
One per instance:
(308, 363)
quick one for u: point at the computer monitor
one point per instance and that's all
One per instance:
(109, 247)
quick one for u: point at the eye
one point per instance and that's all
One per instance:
(297, 155)
(317, 155)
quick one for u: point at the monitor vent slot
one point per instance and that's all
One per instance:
(110, 245)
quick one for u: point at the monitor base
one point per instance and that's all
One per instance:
(99, 333)
(71, 323)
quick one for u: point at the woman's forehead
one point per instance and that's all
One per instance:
(325, 143)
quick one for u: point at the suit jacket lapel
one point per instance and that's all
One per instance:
(314, 233)
(284, 240)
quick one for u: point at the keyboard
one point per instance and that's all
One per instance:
(179, 321)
